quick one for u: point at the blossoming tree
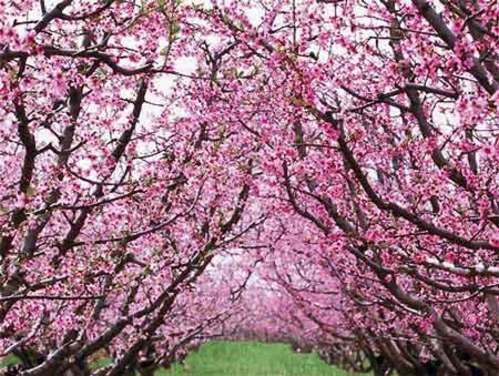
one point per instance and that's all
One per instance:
(339, 159)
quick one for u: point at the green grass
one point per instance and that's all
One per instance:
(8, 361)
(242, 359)
(251, 359)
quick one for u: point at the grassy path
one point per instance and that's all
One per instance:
(251, 359)
(244, 359)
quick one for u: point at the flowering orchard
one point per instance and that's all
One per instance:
(323, 172)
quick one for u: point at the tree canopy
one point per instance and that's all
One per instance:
(322, 172)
